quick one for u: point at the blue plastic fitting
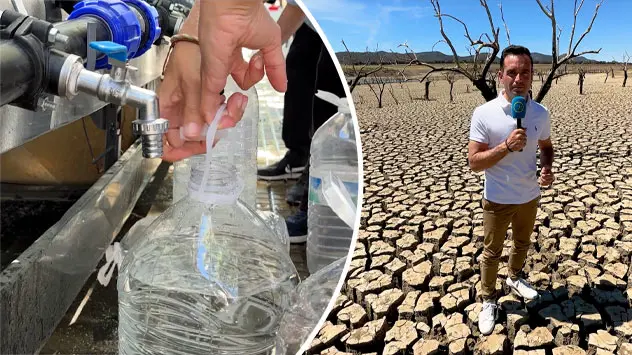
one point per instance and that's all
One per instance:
(154, 30)
(120, 19)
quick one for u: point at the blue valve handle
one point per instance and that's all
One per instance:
(111, 49)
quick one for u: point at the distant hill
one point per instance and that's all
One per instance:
(430, 57)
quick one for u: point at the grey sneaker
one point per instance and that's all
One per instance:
(487, 318)
(521, 288)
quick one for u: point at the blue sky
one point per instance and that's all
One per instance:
(386, 24)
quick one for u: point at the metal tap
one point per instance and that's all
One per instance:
(116, 88)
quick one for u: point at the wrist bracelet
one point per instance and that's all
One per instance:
(181, 37)
(507, 145)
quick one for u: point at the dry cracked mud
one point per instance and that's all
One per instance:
(414, 283)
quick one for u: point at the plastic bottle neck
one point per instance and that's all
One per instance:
(214, 182)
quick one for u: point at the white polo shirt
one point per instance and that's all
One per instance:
(513, 179)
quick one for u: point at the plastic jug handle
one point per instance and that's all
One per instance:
(340, 102)
(113, 258)
(339, 199)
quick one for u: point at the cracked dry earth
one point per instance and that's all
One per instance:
(413, 286)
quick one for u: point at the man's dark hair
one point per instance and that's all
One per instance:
(515, 50)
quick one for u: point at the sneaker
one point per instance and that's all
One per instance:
(297, 227)
(290, 167)
(487, 318)
(296, 193)
(521, 288)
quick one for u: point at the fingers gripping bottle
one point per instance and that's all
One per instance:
(243, 152)
(242, 149)
(333, 187)
(208, 276)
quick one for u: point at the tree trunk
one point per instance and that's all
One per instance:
(544, 89)
(581, 84)
(607, 74)
(489, 93)
(354, 83)
(426, 95)
(612, 72)
(451, 97)
(625, 77)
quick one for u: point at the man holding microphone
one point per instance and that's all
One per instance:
(506, 152)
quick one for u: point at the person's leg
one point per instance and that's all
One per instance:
(301, 67)
(301, 63)
(327, 79)
(496, 219)
(522, 226)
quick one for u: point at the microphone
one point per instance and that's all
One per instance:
(518, 110)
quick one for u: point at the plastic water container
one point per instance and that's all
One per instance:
(309, 302)
(242, 152)
(333, 187)
(277, 223)
(208, 276)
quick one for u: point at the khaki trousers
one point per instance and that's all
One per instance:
(496, 219)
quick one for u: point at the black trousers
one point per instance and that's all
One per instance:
(301, 65)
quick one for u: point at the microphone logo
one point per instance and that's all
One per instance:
(519, 106)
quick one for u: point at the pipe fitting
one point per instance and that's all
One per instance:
(74, 79)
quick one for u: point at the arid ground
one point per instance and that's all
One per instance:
(413, 285)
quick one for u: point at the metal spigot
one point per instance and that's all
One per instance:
(116, 88)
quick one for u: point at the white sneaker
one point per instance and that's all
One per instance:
(487, 318)
(522, 289)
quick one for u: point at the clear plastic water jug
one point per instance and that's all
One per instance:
(208, 276)
(242, 150)
(309, 302)
(333, 187)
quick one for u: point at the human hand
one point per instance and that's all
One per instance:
(517, 139)
(546, 176)
(227, 26)
(180, 99)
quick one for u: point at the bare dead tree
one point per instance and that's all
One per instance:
(626, 61)
(580, 81)
(392, 92)
(556, 60)
(427, 91)
(451, 79)
(607, 74)
(377, 87)
(477, 72)
(363, 72)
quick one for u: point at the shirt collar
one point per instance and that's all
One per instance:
(507, 104)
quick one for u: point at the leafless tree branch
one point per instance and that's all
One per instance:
(575, 13)
(502, 16)
(592, 21)
(556, 60)
(359, 74)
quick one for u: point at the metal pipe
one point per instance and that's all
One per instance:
(120, 92)
(16, 70)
